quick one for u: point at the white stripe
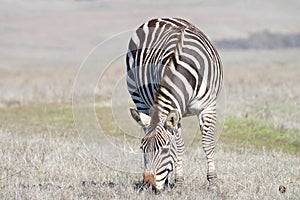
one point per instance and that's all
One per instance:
(164, 99)
(172, 97)
(187, 85)
(135, 39)
(130, 81)
(163, 104)
(147, 64)
(197, 50)
(178, 90)
(141, 105)
(195, 61)
(204, 46)
(189, 68)
(161, 176)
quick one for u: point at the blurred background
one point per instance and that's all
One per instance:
(40, 39)
(60, 33)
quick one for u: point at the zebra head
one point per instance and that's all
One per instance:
(159, 147)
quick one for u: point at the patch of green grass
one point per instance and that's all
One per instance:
(59, 116)
(106, 119)
(37, 118)
(52, 113)
(252, 134)
(260, 134)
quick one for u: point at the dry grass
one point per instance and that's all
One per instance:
(43, 158)
(45, 167)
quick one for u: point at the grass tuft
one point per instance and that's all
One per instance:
(260, 134)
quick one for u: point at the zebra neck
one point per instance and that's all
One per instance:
(160, 113)
(158, 116)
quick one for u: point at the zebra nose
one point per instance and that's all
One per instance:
(149, 179)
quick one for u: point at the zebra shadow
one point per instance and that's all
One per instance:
(138, 186)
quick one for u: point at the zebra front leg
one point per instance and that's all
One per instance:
(207, 125)
(179, 178)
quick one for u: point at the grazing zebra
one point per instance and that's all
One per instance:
(173, 71)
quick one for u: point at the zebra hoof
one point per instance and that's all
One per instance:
(214, 188)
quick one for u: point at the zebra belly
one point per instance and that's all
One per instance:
(193, 109)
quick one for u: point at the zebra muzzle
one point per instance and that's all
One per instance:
(149, 180)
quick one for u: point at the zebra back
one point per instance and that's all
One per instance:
(176, 58)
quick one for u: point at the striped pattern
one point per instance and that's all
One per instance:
(163, 149)
(172, 66)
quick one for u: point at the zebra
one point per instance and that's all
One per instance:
(173, 71)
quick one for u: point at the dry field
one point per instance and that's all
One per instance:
(43, 155)
(51, 146)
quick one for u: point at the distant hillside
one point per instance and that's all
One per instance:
(261, 40)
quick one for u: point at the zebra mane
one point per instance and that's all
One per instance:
(155, 116)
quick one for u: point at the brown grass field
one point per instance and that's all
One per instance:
(51, 110)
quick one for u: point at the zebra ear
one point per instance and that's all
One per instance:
(172, 119)
(141, 118)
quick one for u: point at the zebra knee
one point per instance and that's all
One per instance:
(212, 177)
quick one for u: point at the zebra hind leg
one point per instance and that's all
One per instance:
(207, 125)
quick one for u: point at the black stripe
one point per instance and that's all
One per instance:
(174, 22)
